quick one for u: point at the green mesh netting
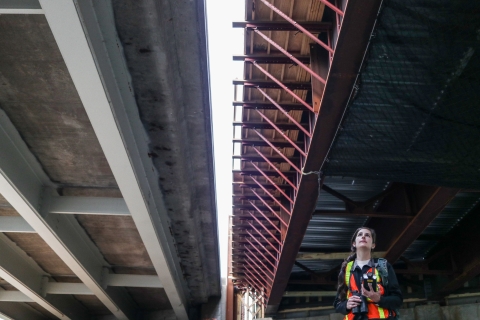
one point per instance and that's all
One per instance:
(416, 115)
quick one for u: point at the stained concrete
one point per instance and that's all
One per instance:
(37, 94)
(165, 50)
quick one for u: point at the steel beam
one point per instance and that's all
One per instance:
(265, 143)
(272, 58)
(351, 45)
(435, 204)
(15, 310)
(421, 204)
(249, 172)
(251, 185)
(271, 159)
(366, 213)
(267, 105)
(267, 84)
(99, 73)
(313, 26)
(26, 187)
(264, 125)
(15, 224)
(89, 205)
(25, 275)
(20, 7)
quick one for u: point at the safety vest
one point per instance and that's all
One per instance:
(374, 311)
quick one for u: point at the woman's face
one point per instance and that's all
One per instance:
(364, 239)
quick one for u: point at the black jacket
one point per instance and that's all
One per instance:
(392, 299)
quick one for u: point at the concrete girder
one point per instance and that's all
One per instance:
(96, 64)
(27, 188)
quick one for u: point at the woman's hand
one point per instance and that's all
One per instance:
(353, 301)
(374, 296)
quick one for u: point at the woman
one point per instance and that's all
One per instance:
(365, 291)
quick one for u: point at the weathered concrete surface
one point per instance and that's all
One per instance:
(165, 49)
(40, 99)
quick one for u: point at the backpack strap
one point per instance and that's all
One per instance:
(382, 269)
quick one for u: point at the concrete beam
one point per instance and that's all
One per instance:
(26, 187)
(24, 274)
(20, 7)
(96, 64)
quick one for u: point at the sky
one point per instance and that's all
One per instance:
(224, 42)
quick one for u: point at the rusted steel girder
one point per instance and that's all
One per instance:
(333, 7)
(296, 25)
(271, 159)
(352, 43)
(294, 85)
(266, 105)
(273, 183)
(285, 112)
(297, 62)
(274, 212)
(264, 142)
(282, 85)
(294, 144)
(280, 173)
(268, 25)
(263, 125)
(435, 204)
(278, 151)
(272, 58)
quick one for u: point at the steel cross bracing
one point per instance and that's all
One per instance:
(274, 158)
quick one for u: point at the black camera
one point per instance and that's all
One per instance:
(369, 278)
(362, 308)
